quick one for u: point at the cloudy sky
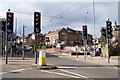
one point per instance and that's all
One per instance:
(57, 14)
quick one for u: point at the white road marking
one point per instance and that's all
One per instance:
(73, 73)
(18, 70)
(60, 74)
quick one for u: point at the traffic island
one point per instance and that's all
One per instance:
(44, 67)
(42, 62)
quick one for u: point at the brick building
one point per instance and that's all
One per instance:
(67, 36)
(31, 41)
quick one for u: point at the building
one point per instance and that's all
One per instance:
(2, 33)
(66, 36)
(30, 39)
(116, 33)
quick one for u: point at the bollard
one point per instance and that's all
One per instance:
(42, 58)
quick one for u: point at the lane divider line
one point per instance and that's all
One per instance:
(73, 73)
(60, 74)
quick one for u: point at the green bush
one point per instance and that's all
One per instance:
(114, 50)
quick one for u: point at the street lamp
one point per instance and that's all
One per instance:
(85, 16)
(94, 25)
(23, 41)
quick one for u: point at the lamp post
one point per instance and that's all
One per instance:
(23, 52)
(85, 16)
(94, 24)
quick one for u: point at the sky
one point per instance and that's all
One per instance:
(57, 14)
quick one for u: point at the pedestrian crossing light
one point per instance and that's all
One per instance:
(109, 29)
(4, 25)
(37, 22)
(103, 32)
(10, 22)
(84, 31)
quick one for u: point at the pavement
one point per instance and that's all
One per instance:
(114, 60)
(96, 60)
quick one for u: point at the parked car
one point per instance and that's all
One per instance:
(29, 48)
(93, 54)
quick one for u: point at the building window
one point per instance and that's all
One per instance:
(63, 33)
(64, 37)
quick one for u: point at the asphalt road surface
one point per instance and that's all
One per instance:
(67, 68)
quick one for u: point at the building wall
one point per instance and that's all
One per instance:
(53, 37)
(31, 41)
(68, 37)
(63, 36)
(90, 38)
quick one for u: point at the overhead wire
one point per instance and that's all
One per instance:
(54, 16)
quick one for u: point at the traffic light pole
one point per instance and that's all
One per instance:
(2, 44)
(23, 53)
(36, 41)
(85, 54)
(16, 32)
(108, 50)
(6, 45)
(11, 53)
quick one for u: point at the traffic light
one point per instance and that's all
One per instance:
(103, 32)
(84, 31)
(10, 19)
(4, 25)
(109, 29)
(37, 22)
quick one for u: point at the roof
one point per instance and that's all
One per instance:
(68, 29)
(57, 30)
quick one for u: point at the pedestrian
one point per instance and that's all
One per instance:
(61, 48)
(100, 51)
(76, 49)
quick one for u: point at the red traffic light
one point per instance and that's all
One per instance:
(10, 22)
(85, 27)
(10, 16)
(84, 31)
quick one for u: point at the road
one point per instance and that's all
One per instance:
(67, 68)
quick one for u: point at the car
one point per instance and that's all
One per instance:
(29, 48)
(93, 54)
